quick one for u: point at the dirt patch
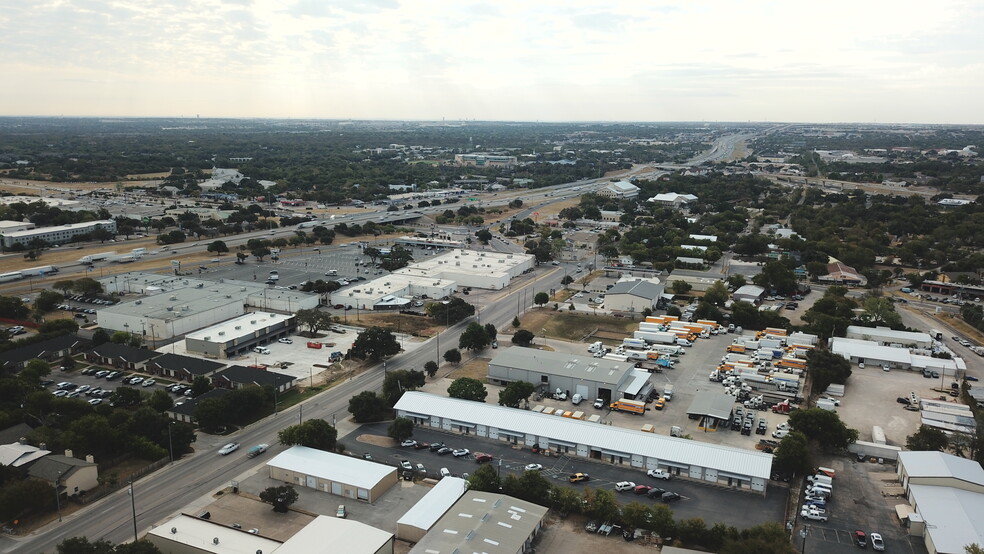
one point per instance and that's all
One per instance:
(377, 440)
(413, 325)
(573, 326)
(476, 368)
(568, 535)
(961, 326)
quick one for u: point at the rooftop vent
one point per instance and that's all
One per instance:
(138, 302)
(221, 333)
(238, 327)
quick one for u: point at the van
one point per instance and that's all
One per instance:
(684, 342)
(445, 472)
(820, 487)
(261, 350)
(820, 480)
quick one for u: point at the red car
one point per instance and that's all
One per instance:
(642, 489)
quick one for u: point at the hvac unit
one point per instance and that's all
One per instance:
(170, 308)
(208, 337)
(238, 327)
(221, 333)
(172, 298)
(138, 302)
(252, 322)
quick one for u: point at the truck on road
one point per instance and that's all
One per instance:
(257, 450)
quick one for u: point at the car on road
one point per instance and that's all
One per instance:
(229, 448)
(578, 477)
(409, 443)
(533, 467)
(435, 446)
(405, 464)
(971, 378)
(658, 474)
(444, 451)
(460, 452)
(876, 542)
(624, 486)
(860, 539)
(285, 341)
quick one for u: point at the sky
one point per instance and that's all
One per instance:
(534, 60)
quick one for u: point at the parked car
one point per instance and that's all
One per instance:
(405, 464)
(860, 539)
(409, 443)
(285, 341)
(578, 477)
(670, 497)
(641, 489)
(876, 542)
(444, 451)
(658, 474)
(813, 514)
(533, 467)
(421, 445)
(435, 446)
(460, 452)
(624, 486)
(148, 383)
(340, 512)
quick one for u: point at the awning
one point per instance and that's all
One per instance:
(462, 424)
(511, 433)
(903, 511)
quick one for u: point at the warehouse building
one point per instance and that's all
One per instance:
(173, 313)
(889, 337)
(240, 335)
(392, 292)
(707, 463)
(712, 409)
(343, 476)
(485, 522)
(57, 234)
(472, 268)
(871, 353)
(945, 496)
(634, 295)
(187, 534)
(574, 374)
(331, 534)
(421, 518)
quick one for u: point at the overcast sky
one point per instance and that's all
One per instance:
(646, 60)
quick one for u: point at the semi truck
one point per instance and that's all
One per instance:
(88, 259)
(635, 343)
(631, 406)
(40, 270)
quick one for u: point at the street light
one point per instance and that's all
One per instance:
(804, 532)
(133, 507)
(57, 496)
(170, 446)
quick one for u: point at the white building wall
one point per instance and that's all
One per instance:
(173, 324)
(627, 303)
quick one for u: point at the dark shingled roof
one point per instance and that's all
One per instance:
(123, 352)
(195, 366)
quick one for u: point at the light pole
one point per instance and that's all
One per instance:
(133, 508)
(57, 495)
(804, 532)
(170, 446)
(543, 332)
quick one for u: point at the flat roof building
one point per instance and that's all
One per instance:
(340, 475)
(634, 295)
(191, 535)
(472, 268)
(885, 336)
(240, 335)
(424, 514)
(707, 463)
(328, 535)
(57, 234)
(485, 522)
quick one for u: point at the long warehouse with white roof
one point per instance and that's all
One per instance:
(721, 465)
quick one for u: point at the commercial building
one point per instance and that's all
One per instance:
(698, 283)
(484, 160)
(237, 377)
(712, 409)
(421, 518)
(7, 226)
(634, 295)
(329, 535)
(340, 475)
(673, 200)
(841, 274)
(575, 374)
(57, 234)
(945, 495)
(50, 350)
(120, 356)
(239, 335)
(392, 292)
(182, 368)
(485, 522)
(472, 268)
(889, 337)
(619, 189)
(872, 353)
(752, 294)
(187, 534)
(707, 463)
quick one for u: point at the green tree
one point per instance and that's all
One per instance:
(680, 287)
(468, 388)
(825, 368)
(927, 439)
(602, 504)
(160, 401)
(281, 497)
(47, 300)
(125, 396)
(212, 413)
(484, 236)
(793, 454)
(491, 332)
(452, 356)
(566, 500)
(515, 393)
(35, 370)
(395, 383)
(374, 344)
(260, 252)
(81, 545)
(200, 385)
(485, 478)
(736, 281)
(88, 287)
(473, 337)
(541, 298)
(823, 427)
(430, 368)
(64, 285)
(522, 337)
(401, 429)
(367, 406)
(776, 276)
(531, 486)
(219, 247)
(449, 312)
(768, 538)
(100, 337)
(315, 320)
(717, 294)
(313, 433)
(515, 322)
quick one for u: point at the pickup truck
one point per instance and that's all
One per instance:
(257, 450)
(813, 514)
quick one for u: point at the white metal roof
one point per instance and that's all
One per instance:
(639, 378)
(952, 515)
(483, 522)
(938, 464)
(330, 466)
(689, 452)
(243, 325)
(576, 366)
(331, 534)
(887, 335)
(849, 348)
(425, 513)
(749, 290)
(206, 536)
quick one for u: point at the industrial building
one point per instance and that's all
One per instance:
(420, 518)
(329, 535)
(57, 234)
(707, 463)
(485, 522)
(619, 189)
(239, 335)
(945, 495)
(634, 295)
(484, 160)
(712, 409)
(472, 268)
(889, 337)
(392, 292)
(575, 374)
(340, 475)
(872, 353)
(752, 294)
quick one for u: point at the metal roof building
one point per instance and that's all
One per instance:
(424, 514)
(331, 534)
(344, 476)
(886, 336)
(871, 352)
(485, 522)
(185, 533)
(713, 407)
(714, 464)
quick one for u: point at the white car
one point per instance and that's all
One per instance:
(784, 426)
(876, 542)
(578, 295)
(460, 452)
(624, 486)
(409, 442)
(229, 448)
(780, 434)
(285, 341)
(658, 474)
(814, 515)
(148, 383)
(533, 467)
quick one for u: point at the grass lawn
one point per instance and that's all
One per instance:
(571, 326)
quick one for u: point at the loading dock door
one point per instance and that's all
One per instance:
(312, 482)
(336, 489)
(582, 390)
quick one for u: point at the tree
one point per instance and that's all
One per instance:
(468, 388)
(401, 429)
(450, 312)
(452, 356)
(826, 367)
(541, 298)
(430, 368)
(717, 294)
(160, 401)
(531, 486)
(64, 285)
(491, 332)
(281, 497)
(314, 320)
(125, 396)
(367, 406)
(680, 287)
(88, 287)
(927, 439)
(484, 236)
(515, 393)
(200, 385)
(793, 454)
(602, 505)
(485, 478)
(522, 337)
(100, 337)
(374, 343)
(473, 337)
(515, 322)
(219, 247)
(313, 433)
(81, 545)
(823, 427)
(736, 281)
(397, 382)
(47, 300)
(566, 280)
(260, 252)
(212, 413)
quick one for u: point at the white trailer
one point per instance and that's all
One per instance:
(12, 276)
(89, 258)
(41, 270)
(656, 338)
